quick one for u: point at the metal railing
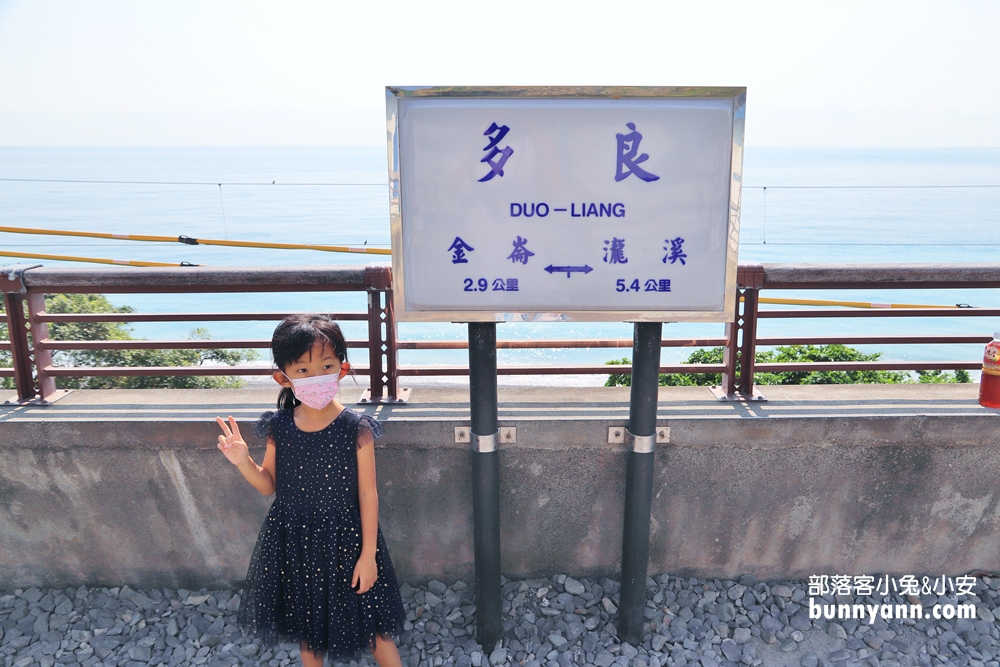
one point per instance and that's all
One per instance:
(34, 373)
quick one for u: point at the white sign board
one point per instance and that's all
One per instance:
(565, 204)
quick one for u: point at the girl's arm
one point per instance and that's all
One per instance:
(365, 573)
(235, 448)
(261, 477)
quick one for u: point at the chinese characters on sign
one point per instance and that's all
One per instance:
(628, 148)
(521, 253)
(674, 252)
(501, 155)
(628, 160)
(614, 251)
(459, 248)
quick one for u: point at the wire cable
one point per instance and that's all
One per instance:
(91, 260)
(242, 183)
(331, 184)
(187, 240)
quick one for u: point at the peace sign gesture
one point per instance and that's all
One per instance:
(231, 442)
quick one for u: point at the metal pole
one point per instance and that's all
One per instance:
(639, 479)
(20, 350)
(485, 480)
(749, 342)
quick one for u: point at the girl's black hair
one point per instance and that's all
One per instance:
(294, 337)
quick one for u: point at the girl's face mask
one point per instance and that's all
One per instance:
(317, 391)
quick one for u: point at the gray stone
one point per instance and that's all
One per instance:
(731, 650)
(836, 630)
(800, 623)
(809, 660)
(741, 635)
(41, 623)
(604, 659)
(768, 622)
(141, 653)
(574, 587)
(629, 651)
(436, 587)
(498, 656)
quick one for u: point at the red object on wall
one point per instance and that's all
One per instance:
(989, 385)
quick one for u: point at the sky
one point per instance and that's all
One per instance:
(296, 73)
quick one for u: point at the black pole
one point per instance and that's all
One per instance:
(485, 480)
(639, 479)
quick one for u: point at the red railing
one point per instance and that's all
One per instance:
(34, 374)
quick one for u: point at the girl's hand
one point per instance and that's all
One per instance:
(365, 574)
(231, 442)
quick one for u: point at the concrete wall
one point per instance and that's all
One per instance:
(154, 503)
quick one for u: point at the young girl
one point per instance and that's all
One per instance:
(320, 573)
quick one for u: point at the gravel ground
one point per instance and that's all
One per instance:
(552, 622)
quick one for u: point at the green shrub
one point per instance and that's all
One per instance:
(788, 354)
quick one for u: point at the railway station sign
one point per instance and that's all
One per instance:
(564, 204)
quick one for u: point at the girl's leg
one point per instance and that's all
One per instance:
(309, 659)
(385, 653)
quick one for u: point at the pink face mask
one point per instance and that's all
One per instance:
(317, 391)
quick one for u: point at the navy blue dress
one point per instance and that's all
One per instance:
(298, 584)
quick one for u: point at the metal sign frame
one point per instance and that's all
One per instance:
(394, 93)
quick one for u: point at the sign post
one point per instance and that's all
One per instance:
(485, 480)
(639, 478)
(564, 204)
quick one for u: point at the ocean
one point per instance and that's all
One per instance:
(799, 206)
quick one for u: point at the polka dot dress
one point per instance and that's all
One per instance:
(298, 584)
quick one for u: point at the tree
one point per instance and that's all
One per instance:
(6, 360)
(96, 303)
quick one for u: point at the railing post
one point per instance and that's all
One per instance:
(741, 334)
(17, 330)
(45, 383)
(383, 353)
(731, 353)
(13, 286)
(748, 346)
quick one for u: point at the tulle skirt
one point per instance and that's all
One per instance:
(298, 584)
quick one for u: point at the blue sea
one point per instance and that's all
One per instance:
(799, 206)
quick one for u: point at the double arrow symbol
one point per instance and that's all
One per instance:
(568, 270)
